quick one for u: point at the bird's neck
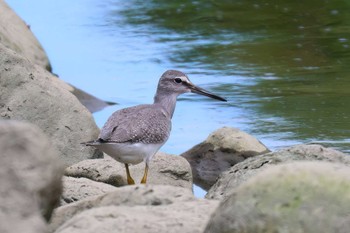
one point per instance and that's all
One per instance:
(167, 102)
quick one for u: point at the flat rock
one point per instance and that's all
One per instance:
(236, 175)
(16, 35)
(132, 195)
(29, 93)
(307, 196)
(30, 177)
(76, 189)
(164, 170)
(221, 150)
(136, 208)
(187, 217)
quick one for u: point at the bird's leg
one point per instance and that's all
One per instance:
(129, 178)
(144, 178)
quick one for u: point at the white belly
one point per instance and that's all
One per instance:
(129, 153)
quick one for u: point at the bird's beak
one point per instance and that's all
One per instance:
(201, 91)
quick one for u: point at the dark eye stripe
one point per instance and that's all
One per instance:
(178, 80)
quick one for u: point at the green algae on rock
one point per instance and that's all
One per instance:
(293, 197)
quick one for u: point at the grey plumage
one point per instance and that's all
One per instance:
(143, 123)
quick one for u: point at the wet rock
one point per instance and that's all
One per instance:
(164, 169)
(308, 197)
(29, 93)
(76, 189)
(30, 178)
(16, 35)
(231, 179)
(136, 208)
(221, 150)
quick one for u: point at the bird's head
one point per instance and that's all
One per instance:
(176, 82)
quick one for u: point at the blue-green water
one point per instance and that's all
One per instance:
(282, 65)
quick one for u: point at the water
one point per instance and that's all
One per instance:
(282, 65)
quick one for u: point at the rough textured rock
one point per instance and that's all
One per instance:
(134, 195)
(308, 197)
(30, 178)
(221, 150)
(16, 35)
(29, 93)
(164, 169)
(187, 217)
(76, 189)
(158, 208)
(242, 171)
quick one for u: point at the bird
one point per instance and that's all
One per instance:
(133, 135)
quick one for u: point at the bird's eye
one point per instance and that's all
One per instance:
(178, 80)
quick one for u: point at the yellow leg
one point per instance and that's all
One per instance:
(129, 178)
(144, 178)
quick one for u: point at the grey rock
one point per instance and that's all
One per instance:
(236, 175)
(30, 177)
(16, 35)
(188, 217)
(76, 189)
(133, 195)
(164, 169)
(221, 150)
(29, 93)
(150, 208)
(305, 197)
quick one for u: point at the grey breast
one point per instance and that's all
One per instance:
(143, 123)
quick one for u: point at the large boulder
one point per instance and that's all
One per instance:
(221, 150)
(30, 178)
(232, 178)
(16, 35)
(164, 169)
(305, 197)
(29, 93)
(136, 208)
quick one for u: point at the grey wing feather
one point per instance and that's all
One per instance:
(142, 123)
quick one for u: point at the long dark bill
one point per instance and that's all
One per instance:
(202, 91)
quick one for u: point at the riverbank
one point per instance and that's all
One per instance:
(51, 183)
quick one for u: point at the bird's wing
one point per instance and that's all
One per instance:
(142, 123)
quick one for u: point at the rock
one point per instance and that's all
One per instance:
(29, 93)
(296, 197)
(188, 217)
(16, 35)
(132, 195)
(30, 177)
(166, 209)
(242, 171)
(221, 150)
(76, 189)
(164, 169)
